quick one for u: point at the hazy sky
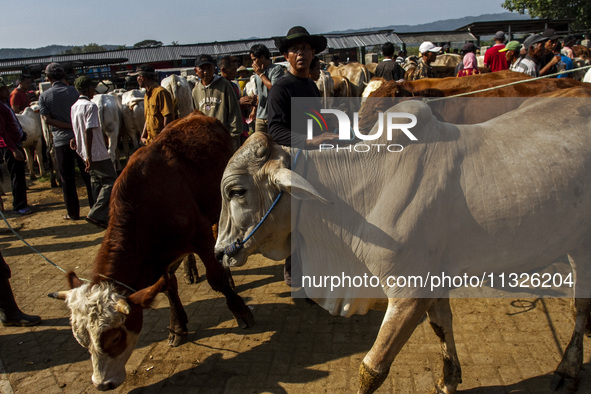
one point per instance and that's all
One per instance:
(123, 22)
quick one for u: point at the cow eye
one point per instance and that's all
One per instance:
(237, 193)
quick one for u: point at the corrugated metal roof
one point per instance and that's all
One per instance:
(436, 36)
(178, 52)
(361, 39)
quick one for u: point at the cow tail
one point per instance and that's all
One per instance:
(101, 109)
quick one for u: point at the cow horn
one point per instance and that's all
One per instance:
(122, 306)
(59, 295)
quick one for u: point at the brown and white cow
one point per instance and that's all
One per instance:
(162, 208)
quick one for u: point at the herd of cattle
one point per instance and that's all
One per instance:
(506, 214)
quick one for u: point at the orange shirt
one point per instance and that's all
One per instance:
(157, 104)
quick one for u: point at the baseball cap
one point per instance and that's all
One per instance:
(84, 82)
(203, 60)
(533, 39)
(511, 46)
(428, 46)
(53, 68)
(144, 69)
(500, 35)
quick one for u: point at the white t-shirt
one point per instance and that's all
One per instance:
(526, 66)
(84, 115)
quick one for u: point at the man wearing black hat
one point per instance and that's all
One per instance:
(494, 60)
(214, 96)
(551, 58)
(530, 64)
(55, 104)
(299, 48)
(159, 108)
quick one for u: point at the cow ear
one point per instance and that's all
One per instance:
(296, 185)
(145, 297)
(73, 280)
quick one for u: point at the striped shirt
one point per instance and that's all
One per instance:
(57, 102)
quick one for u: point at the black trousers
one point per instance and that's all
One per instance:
(66, 160)
(18, 180)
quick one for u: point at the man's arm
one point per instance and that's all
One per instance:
(234, 114)
(88, 144)
(57, 123)
(546, 69)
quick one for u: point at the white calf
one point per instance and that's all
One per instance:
(30, 121)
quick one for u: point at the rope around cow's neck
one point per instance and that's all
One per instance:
(233, 249)
(428, 100)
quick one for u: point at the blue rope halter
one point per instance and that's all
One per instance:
(237, 246)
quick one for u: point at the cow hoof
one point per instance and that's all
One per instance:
(369, 380)
(176, 339)
(190, 279)
(564, 384)
(246, 320)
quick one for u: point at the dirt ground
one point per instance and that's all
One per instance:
(504, 345)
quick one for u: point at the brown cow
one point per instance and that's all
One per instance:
(163, 207)
(356, 73)
(581, 51)
(445, 87)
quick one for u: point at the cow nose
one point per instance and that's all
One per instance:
(105, 386)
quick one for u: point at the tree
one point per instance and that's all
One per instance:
(579, 10)
(175, 43)
(92, 47)
(147, 44)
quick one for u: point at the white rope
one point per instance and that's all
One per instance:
(505, 85)
(33, 249)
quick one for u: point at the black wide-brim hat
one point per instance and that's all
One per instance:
(299, 34)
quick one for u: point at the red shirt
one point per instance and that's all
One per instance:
(20, 98)
(494, 59)
(10, 128)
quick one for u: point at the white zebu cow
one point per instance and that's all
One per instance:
(110, 119)
(30, 121)
(132, 109)
(180, 90)
(460, 199)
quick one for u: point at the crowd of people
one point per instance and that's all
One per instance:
(77, 136)
(538, 55)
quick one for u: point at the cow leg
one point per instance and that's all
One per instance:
(30, 164)
(441, 320)
(566, 376)
(190, 269)
(39, 157)
(178, 316)
(401, 318)
(218, 280)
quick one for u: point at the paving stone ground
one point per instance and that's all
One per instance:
(504, 345)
